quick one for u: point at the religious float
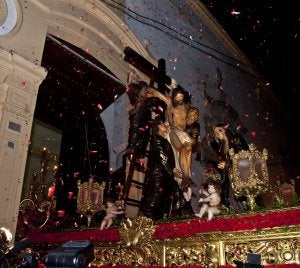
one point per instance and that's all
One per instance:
(270, 237)
(258, 237)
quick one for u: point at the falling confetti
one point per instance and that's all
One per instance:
(234, 13)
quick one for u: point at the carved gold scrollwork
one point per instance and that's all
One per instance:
(107, 256)
(204, 254)
(137, 247)
(284, 251)
(136, 236)
(249, 173)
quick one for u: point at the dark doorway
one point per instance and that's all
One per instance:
(71, 98)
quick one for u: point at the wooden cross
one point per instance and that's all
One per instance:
(156, 74)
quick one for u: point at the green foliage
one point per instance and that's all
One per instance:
(279, 202)
(295, 199)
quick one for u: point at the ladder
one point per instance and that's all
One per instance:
(135, 176)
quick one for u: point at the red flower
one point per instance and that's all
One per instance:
(251, 222)
(179, 229)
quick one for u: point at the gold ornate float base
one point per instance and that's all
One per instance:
(275, 236)
(276, 246)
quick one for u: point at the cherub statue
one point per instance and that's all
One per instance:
(211, 202)
(111, 212)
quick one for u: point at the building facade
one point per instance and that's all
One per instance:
(199, 55)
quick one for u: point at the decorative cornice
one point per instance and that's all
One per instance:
(103, 30)
(18, 111)
(14, 63)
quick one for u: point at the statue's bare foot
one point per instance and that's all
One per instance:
(186, 183)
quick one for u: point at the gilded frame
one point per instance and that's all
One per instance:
(249, 173)
(90, 198)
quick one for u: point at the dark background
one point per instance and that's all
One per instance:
(267, 32)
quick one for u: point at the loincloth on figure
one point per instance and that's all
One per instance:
(183, 136)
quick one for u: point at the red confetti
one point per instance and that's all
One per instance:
(234, 13)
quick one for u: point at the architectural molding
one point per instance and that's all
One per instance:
(20, 80)
(95, 28)
(10, 17)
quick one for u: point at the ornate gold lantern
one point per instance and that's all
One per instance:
(90, 198)
(248, 173)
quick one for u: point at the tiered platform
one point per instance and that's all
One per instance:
(274, 235)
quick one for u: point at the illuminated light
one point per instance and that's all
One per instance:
(51, 191)
(55, 168)
(234, 13)
(61, 213)
(7, 233)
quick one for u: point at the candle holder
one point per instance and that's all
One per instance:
(249, 174)
(90, 198)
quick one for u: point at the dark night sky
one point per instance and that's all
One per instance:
(267, 32)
